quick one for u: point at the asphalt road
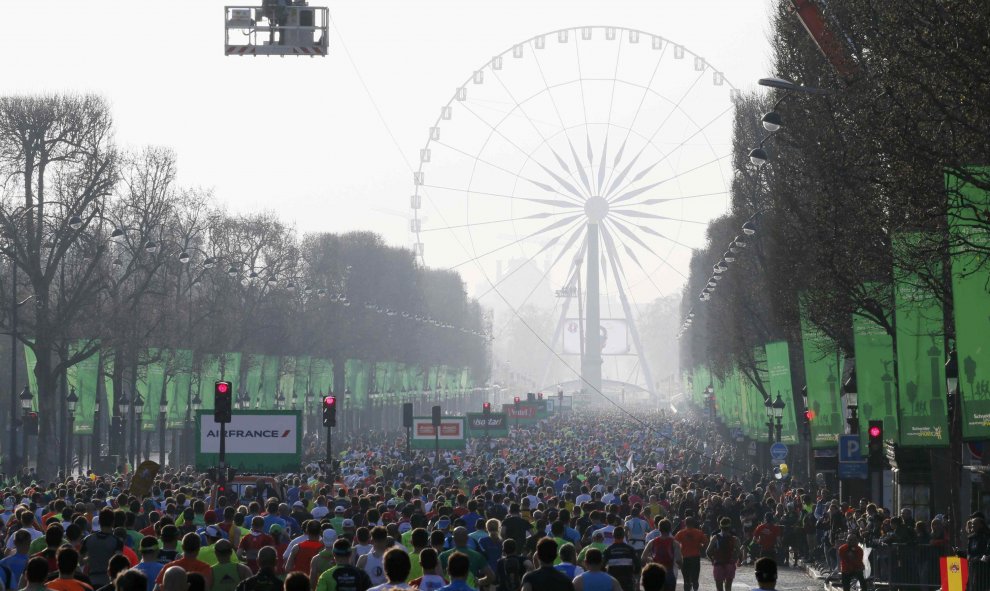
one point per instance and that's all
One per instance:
(789, 579)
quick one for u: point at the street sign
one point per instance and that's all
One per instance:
(854, 470)
(778, 451)
(849, 448)
(752, 448)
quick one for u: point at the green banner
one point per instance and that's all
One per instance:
(178, 388)
(970, 285)
(230, 368)
(151, 384)
(779, 373)
(300, 383)
(85, 378)
(497, 425)
(919, 323)
(209, 373)
(32, 381)
(253, 365)
(286, 381)
(823, 373)
(875, 381)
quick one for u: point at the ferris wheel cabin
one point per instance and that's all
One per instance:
(277, 27)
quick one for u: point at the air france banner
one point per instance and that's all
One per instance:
(260, 440)
(451, 436)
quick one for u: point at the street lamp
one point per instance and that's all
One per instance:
(952, 373)
(851, 400)
(162, 414)
(778, 414)
(279, 400)
(136, 429)
(70, 404)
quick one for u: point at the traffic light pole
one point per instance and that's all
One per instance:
(408, 443)
(222, 475)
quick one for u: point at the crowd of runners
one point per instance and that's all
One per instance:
(596, 502)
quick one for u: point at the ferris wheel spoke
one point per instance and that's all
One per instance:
(535, 216)
(653, 216)
(567, 186)
(653, 232)
(601, 165)
(580, 167)
(662, 260)
(675, 108)
(681, 198)
(571, 189)
(550, 228)
(632, 235)
(543, 186)
(678, 147)
(550, 202)
(636, 192)
(532, 123)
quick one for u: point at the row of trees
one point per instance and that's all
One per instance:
(847, 173)
(103, 245)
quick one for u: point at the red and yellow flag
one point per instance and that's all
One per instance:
(954, 573)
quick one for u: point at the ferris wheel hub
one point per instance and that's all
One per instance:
(596, 208)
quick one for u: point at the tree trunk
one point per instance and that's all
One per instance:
(47, 452)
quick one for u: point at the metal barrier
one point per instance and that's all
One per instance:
(914, 567)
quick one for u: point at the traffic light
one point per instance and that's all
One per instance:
(530, 397)
(330, 411)
(437, 417)
(486, 408)
(516, 401)
(809, 416)
(875, 439)
(539, 395)
(222, 401)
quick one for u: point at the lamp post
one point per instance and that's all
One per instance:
(162, 416)
(124, 406)
(70, 405)
(194, 404)
(26, 399)
(279, 401)
(768, 407)
(710, 401)
(778, 414)
(94, 448)
(136, 429)
(851, 400)
(953, 401)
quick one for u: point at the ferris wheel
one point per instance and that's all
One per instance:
(598, 154)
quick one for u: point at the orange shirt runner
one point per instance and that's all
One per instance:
(692, 540)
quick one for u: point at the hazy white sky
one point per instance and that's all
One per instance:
(300, 135)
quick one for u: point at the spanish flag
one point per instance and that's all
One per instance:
(954, 573)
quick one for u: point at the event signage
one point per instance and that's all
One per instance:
(823, 375)
(257, 440)
(451, 433)
(920, 351)
(875, 381)
(779, 372)
(970, 278)
(523, 413)
(498, 426)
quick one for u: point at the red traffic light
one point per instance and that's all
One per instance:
(516, 400)
(875, 431)
(809, 415)
(539, 395)
(223, 387)
(330, 400)
(487, 406)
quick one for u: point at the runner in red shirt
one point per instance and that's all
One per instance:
(247, 550)
(767, 535)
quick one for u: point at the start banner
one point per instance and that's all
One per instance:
(497, 426)
(451, 436)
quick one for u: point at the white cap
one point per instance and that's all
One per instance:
(329, 537)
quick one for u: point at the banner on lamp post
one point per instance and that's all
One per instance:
(920, 336)
(970, 281)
